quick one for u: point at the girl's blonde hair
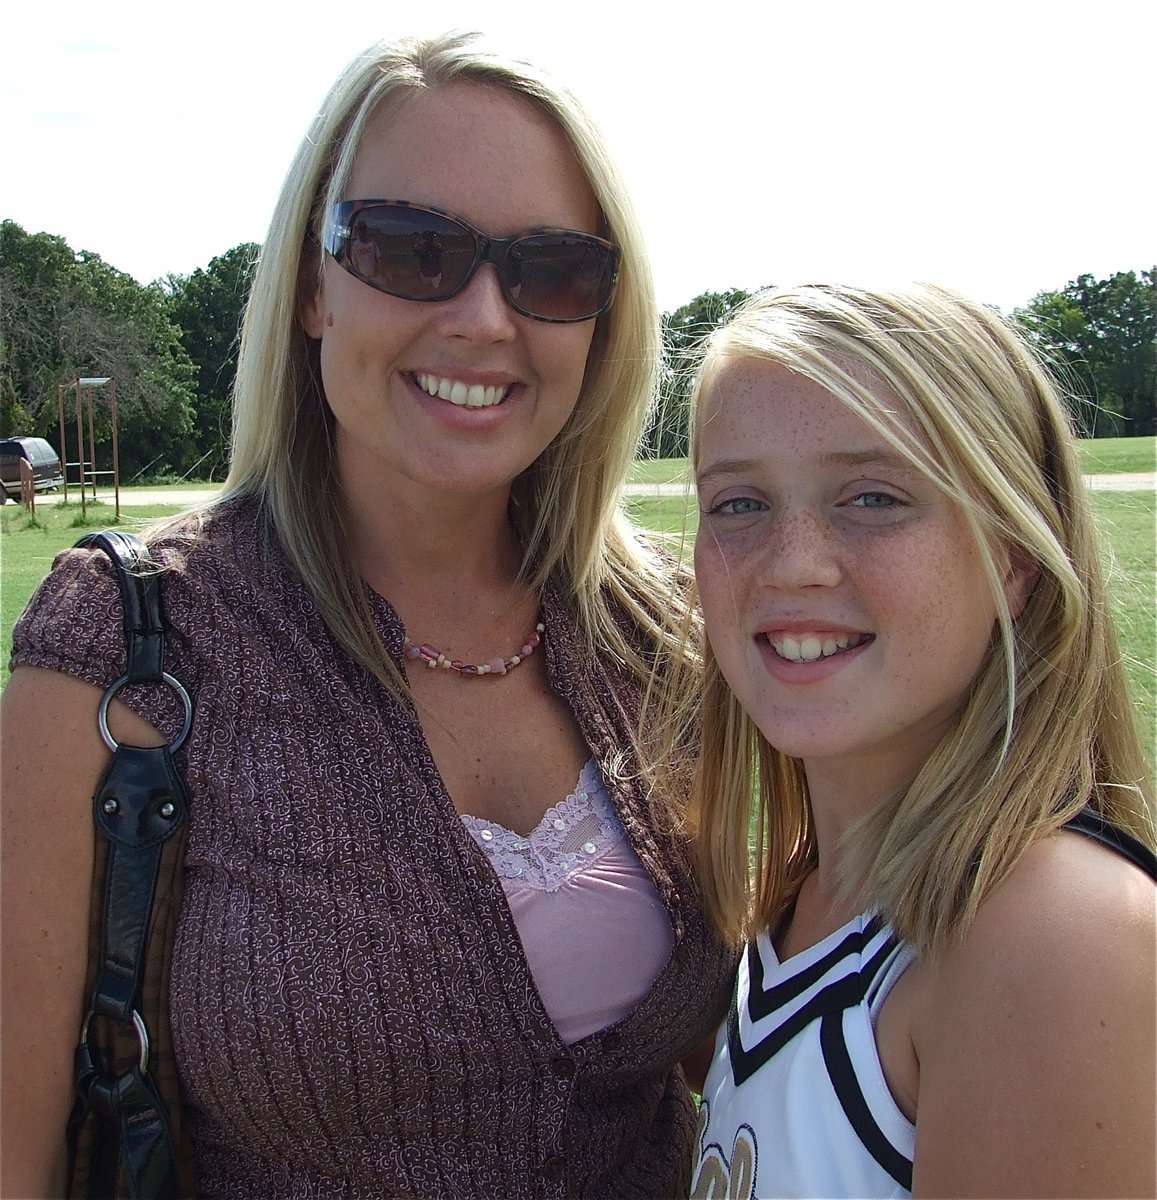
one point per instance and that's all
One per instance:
(1047, 728)
(566, 505)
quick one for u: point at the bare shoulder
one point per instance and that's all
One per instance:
(1069, 936)
(1036, 1034)
(1068, 897)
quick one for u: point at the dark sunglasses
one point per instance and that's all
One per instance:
(418, 253)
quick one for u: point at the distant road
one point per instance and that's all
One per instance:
(183, 497)
(1124, 482)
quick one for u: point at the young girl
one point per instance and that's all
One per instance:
(950, 986)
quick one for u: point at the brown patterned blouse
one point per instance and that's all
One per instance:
(353, 1011)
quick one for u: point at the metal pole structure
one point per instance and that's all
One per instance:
(91, 443)
(87, 384)
(116, 463)
(80, 455)
(63, 447)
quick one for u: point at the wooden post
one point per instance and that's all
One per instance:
(91, 442)
(116, 462)
(63, 446)
(27, 487)
(80, 455)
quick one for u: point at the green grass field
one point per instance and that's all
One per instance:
(659, 470)
(1127, 520)
(1110, 456)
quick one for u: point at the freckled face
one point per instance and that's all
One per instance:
(844, 596)
(495, 160)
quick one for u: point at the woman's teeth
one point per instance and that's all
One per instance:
(811, 646)
(465, 395)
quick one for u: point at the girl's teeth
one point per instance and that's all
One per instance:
(812, 646)
(465, 395)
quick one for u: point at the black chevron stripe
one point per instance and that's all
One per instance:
(762, 1003)
(851, 1097)
(843, 993)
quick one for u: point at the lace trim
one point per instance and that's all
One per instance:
(571, 836)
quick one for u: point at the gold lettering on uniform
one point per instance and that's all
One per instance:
(711, 1181)
(742, 1167)
(718, 1180)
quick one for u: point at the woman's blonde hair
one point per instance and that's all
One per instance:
(1048, 727)
(566, 505)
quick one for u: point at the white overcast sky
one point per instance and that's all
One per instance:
(1003, 148)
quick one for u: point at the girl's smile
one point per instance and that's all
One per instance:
(808, 654)
(807, 647)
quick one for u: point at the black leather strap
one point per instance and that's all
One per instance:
(138, 577)
(133, 1146)
(140, 804)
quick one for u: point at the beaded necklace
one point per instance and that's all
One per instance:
(434, 658)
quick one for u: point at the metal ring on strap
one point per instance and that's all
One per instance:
(111, 691)
(138, 1025)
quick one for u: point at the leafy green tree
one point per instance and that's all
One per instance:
(1100, 337)
(66, 314)
(32, 270)
(684, 332)
(1059, 331)
(207, 306)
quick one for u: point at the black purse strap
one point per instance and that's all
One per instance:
(137, 576)
(140, 805)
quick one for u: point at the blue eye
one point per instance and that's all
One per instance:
(874, 500)
(740, 506)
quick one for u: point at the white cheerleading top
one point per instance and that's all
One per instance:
(795, 1102)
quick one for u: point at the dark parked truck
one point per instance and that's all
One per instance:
(40, 456)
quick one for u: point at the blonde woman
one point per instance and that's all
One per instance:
(434, 939)
(949, 984)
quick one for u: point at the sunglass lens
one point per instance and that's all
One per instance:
(411, 254)
(559, 278)
(417, 254)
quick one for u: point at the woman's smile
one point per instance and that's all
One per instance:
(458, 392)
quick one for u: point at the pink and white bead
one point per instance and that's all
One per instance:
(434, 658)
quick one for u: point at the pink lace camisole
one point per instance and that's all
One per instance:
(592, 927)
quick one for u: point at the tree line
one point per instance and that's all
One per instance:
(172, 347)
